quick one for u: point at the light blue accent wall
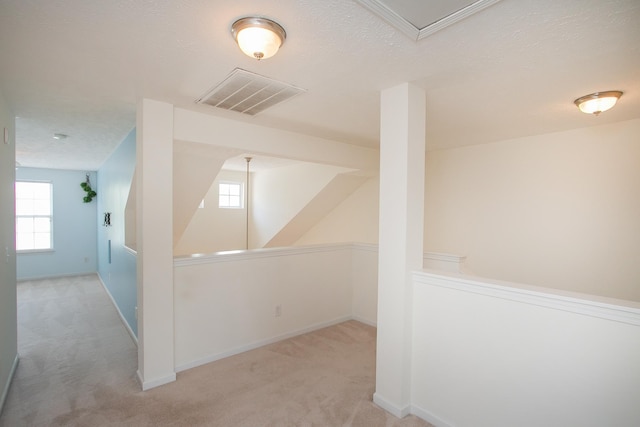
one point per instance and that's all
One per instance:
(74, 227)
(116, 263)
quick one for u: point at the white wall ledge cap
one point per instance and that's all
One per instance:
(370, 247)
(130, 250)
(442, 256)
(226, 256)
(590, 305)
(239, 255)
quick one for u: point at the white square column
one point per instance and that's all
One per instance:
(154, 235)
(402, 161)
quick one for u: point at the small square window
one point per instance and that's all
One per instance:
(230, 195)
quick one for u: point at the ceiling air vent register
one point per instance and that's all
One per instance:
(248, 93)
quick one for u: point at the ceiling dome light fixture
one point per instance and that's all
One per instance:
(258, 38)
(60, 136)
(598, 102)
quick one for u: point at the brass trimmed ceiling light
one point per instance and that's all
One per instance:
(598, 102)
(258, 38)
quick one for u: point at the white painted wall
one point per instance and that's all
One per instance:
(402, 151)
(353, 220)
(560, 359)
(195, 167)
(559, 210)
(327, 199)
(279, 194)
(226, 304)
(491, 354)
(248, 138)
(275, 205)
(158, 126)
(214, 229)
(364, 283)
(8, 308)
(154, 219)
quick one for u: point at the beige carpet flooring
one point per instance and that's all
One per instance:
(77, 368)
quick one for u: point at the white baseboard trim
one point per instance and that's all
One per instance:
(260, 343)
(54, 276)
(393, 409)
(365, 321)
(430, 417)
(5, 390)
(157, 382)
(124, 321)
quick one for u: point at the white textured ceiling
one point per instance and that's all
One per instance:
(79, 66)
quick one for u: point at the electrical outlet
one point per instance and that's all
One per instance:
(278, 310)
(86, 260)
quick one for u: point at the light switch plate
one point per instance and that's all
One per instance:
(6, 136)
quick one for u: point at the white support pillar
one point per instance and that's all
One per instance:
(402, 160)
(154, 232)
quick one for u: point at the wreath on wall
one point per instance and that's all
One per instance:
(86, 186)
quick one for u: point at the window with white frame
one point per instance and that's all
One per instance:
(230, 195)
(34, 216)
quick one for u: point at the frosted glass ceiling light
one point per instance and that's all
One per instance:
(598, 102)
(258, 38)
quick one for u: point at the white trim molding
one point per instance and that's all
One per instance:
(241, 255)
(439, 258)
(379, 8)
(55, 276)
(365, 247)
(429, 417)
(455, 17)
(5, 390)
(392, 408)
(122, 318)
(441, 261)
(260, 343)
(588, 305)
(365, 321)
(157, 382)
(130, 251)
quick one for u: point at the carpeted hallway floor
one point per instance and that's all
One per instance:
(77, 368)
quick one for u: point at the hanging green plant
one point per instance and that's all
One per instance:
(86, 186)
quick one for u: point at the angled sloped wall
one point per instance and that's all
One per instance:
(195, 166)
(323, 202)
(214, 229)
(354, 220)
(279, 194)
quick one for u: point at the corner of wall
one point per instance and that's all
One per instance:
(8, 305)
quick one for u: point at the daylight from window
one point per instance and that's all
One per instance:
(230, 195)
(33, 216)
